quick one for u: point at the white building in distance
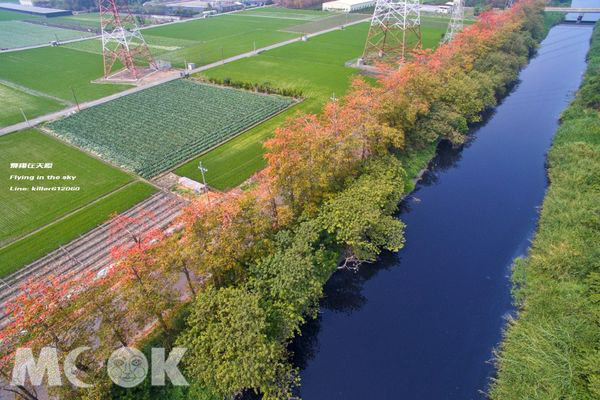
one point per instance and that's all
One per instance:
(348, 5)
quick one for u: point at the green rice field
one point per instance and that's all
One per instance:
(326, 23)
(6, 15)
(280, 12)
(26, 211)
(57, 71)
(15, 103)
(203, 41)
(158, 45)
(83, 20)
(221, 37)
(16, 34)
(153, 130)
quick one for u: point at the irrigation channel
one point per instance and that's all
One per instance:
(422, 323)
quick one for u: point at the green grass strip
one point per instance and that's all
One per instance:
(29, 249)
(552, 350)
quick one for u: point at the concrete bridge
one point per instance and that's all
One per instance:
(577, 10)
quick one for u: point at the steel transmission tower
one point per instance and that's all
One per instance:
(456, 22)
(395, 30)
(123, 41)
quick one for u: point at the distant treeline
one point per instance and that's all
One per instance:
(552, 350)
(299, 3)
(135, 6)
(77, 5)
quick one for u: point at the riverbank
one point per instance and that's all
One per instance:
(440, 303)
(552, 349)
(346, 207)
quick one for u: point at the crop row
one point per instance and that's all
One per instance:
(153, 130)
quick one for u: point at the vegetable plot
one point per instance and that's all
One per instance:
(152, 131)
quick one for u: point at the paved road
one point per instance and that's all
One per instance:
(37, 46)
(175, 75)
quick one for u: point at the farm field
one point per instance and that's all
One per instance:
(17, 33)
(25, 212)
(74, 66)
(326, 23)
(225, 36)
(57, 71)
(6, 15)
(13, 101)
(158, 45)
(83, 20)
(280, 12)
(153, 130)
(37, 245)
(316, 67)
(221, 37)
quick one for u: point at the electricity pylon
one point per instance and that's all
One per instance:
(122, 40)
(456, 22)
(395, 31)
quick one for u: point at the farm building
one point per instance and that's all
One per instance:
(348, 5)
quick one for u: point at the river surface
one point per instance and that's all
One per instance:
(422, 323)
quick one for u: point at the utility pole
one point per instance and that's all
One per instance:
(75, 97)
(25, 117)
(203, 170)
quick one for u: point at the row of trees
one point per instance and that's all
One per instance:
(249, 266)
(299, 3)
(264, 87)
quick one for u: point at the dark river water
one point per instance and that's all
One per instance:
(422, 323)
